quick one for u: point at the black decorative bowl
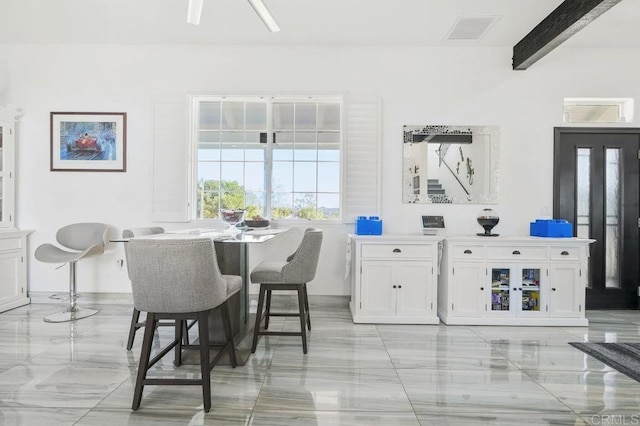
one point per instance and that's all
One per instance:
(257, 223)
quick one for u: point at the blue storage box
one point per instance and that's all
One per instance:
(368, 226)
(553, 228)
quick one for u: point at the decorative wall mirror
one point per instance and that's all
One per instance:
(450, 164)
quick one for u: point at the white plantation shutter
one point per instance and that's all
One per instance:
(363, 160)
(170, 162)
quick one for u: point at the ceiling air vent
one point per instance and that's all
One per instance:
(470, 27)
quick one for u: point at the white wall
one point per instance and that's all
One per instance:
(417, 85)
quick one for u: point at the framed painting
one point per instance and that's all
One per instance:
(89, 141)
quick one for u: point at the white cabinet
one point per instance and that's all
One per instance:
(13, 271)
(393, 279)
(13, 242)
(513, 281)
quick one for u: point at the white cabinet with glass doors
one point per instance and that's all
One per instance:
(513, 281)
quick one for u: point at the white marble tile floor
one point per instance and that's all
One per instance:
(354, 374)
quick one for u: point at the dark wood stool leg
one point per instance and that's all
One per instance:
(226, 322)
(303, 325)
(256, 328)
(133, 328)
(185, 333)
(145, 354)
(179, 329)
(306, 305)
(205, 364)
(267, 310)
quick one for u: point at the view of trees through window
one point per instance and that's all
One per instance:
(294, 174)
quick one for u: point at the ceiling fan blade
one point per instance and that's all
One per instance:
(194, 11)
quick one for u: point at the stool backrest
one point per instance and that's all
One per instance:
(81, 236)
(303, 263)
(174, 275)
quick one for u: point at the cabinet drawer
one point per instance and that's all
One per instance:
(564, 253)
(515, 253)
(7, 244)
(467, 252)
(393, 251)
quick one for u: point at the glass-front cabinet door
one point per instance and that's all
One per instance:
(517, 291)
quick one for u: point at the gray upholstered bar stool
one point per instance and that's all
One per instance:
(84, 240)
(135, 318)
(179, 279)
(291, 274)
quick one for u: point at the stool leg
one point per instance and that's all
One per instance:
(145, 353)
(267, 310)
(306, 305)
(205, 364)
(303, 325)
(132, 330)
(226, 322)
(256, 328)
(178, 328)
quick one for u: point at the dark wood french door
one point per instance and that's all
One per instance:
(595, 186)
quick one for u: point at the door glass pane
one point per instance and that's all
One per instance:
(583, 196)
(612, 222)
(531, 290)
(500, 282)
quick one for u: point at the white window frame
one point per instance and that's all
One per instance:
(193, 102)
(625, 108)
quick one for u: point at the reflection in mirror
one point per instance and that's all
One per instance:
(450, 164)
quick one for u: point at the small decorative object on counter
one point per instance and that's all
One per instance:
(488, 218)
(551, 228)
(232, 217)
(370, 226)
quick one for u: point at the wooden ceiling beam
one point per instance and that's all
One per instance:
(566, 20)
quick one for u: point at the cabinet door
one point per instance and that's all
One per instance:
(414, 281)
(504, 284)
(468, 289)
(376, 288)
(532, 291)
(566, 291)
(11, 287)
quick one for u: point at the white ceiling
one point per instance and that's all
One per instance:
(303, 22)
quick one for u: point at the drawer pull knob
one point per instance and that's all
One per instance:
(394, 286)
(467, 251)
(399, 286)
(515, 289)
(564, 253)
(397, 250)
(553, 288)
(516, 252)
(481, 288)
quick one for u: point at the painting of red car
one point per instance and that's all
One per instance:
(85, 142)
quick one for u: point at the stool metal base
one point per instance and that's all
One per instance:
(71, 314)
